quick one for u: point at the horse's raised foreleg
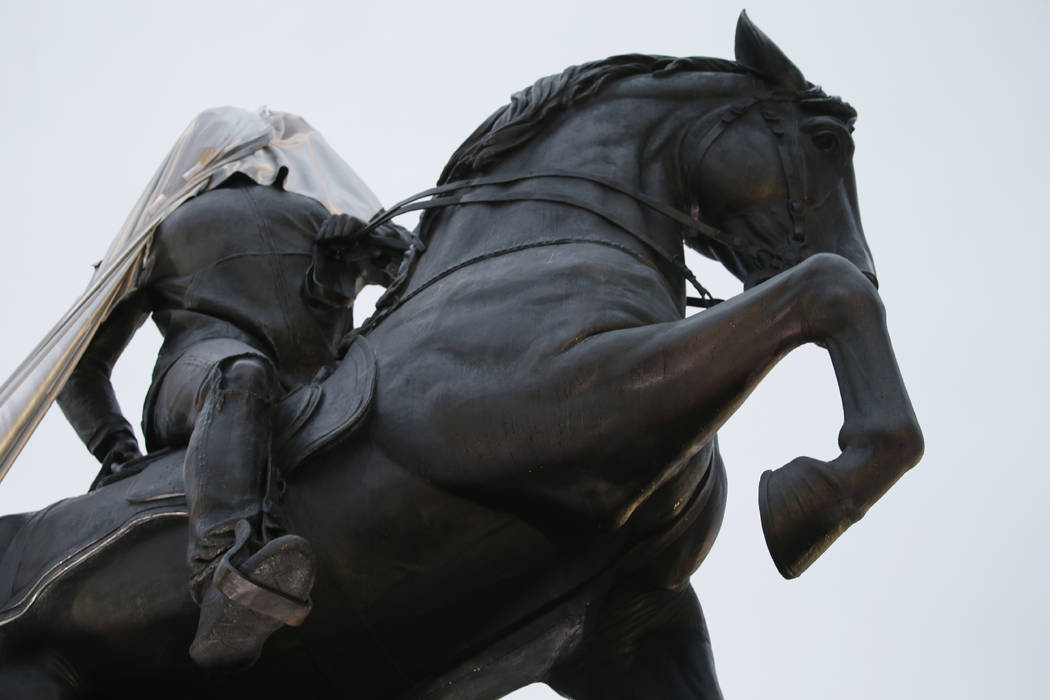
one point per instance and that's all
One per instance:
(807, 504)
(675, 384)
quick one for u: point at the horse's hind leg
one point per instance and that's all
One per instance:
(641, 644)
(38, 676)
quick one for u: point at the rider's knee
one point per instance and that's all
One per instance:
(247, 373)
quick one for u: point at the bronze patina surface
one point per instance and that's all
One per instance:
(537, 474)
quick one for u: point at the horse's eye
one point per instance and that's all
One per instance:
(826, 141)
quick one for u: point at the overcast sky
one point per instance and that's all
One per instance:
(941, 591)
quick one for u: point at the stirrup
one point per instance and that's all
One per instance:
(243, 606)
(248, 594)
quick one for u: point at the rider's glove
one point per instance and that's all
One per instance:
(339, 231)
(332, 277)
(122, 448)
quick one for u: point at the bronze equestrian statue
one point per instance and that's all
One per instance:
(511, 470)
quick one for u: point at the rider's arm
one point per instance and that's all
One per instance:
(88, 400)
(331, 280)
(344, 261)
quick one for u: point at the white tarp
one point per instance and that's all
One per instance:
(218, 143)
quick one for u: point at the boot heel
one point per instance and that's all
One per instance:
(803, 512)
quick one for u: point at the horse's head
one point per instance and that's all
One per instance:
(773, 171)
(749, 158)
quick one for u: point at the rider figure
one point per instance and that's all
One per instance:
(252, 289)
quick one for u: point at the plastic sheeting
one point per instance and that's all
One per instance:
(218, 143)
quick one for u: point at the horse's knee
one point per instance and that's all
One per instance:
(834, 293)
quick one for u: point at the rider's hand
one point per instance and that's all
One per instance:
(122, 450)
(339, 230)
(333, 275)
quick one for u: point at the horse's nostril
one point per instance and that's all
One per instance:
(874, 280)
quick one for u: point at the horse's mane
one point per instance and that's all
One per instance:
(529, 110)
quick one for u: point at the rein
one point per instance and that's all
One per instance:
(462, 192)
(465, 188)
(517, 249)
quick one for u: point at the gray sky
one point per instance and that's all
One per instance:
(941, 590)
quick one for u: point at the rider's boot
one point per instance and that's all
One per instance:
(247, 588)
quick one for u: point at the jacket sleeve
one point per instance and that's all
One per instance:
(87, 399)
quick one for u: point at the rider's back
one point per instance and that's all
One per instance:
(230, 264)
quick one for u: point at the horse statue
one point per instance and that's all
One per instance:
(513, 472)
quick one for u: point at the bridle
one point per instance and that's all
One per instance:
(465, 192)
(783, 124)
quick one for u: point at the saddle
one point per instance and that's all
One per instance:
(50, 544)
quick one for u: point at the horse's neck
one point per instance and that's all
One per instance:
(616, 141)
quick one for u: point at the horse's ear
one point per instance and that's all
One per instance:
(757, 52)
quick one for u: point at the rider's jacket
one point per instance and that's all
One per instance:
(229, 263)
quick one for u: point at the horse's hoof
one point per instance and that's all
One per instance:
(242, 608)
(803, 511)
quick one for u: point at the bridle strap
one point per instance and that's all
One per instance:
(793, 169)
(729, 114)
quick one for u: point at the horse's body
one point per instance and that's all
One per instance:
(539, 475)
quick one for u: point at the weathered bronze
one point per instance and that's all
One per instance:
(512, 471)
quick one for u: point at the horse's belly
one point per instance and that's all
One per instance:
(412, 575)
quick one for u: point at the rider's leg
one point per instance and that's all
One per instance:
(226, 467)
(228, 459)
(218, 397)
